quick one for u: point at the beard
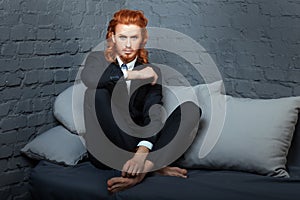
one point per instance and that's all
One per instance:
(127, 58)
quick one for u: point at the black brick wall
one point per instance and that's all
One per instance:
(42, 44)
(255, 44)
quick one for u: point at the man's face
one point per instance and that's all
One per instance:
(128, 39)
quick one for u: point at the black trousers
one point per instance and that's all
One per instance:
(129, 142)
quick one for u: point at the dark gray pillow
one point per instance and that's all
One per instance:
(57, 145)
(256, 137)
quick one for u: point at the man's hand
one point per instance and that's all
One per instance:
(135, 165)
(146, 73)
(117, 184)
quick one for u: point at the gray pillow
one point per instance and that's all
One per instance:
(256, 137)
(57, 145)
(68, 108)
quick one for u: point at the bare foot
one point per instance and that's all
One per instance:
(173, 171)
(117, 184)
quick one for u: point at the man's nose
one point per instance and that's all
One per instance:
(128, 43)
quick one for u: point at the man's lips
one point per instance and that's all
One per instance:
(128, 51)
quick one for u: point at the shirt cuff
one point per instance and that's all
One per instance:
(145, 143)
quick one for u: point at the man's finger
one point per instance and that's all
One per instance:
(154, 79)
(125, 169)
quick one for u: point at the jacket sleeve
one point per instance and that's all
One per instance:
(153, 97)
(98, 73)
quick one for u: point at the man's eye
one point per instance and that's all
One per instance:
(122, 37)
(134, 37)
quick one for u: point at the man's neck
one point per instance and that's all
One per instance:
(129, 64)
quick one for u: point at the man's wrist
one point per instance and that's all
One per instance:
(142, 149)
(132, 74)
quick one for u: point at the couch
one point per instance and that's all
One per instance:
(243, 149)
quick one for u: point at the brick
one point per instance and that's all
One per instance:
(285, 21)
(290, 9)
(31, 63)
(272, 90)
(293, 75)
(25, 196)
(17, 149)
(9, 19)
(270, 8)
(30, 19)
(24, 106)
(9, 49)
(43, 49)
(229, 71)
(41, 104)
(88, 21)
(296, 91)
(14, 79)
(45, 20)
(276, 75)
(6, 151)
(72, 47)
(80, 7)
(296, 62)
(61, 87)
(31, 77)
(11, 177)
(63, 19)
(5, 193)
(36, 119)
(3, 166)
(13, 122)
(8, 138)
(23, 32)
(21, 191)
(264, 60)
(29, 93)
(78, 59)
(249, 73)
(46, 76)
(4, 33)
(58, 61)
(9, 65)
(91, 7)
(61, 76)
(4, 109)
(47, 90)
(45, 34)
(46, 127)
(55, 6)
(57, 47)
(244, 88)
(25, 134)
(73, 74)
(10, 94)
(77, 19)
(26, 48)
(245, 60)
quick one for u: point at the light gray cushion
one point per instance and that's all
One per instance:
(57, 145)
(256, 136)
(68, 108)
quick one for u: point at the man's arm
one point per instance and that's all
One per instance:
(97, 72)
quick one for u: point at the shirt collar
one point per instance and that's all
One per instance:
(130, 65)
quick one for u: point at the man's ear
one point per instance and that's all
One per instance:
(113, 38)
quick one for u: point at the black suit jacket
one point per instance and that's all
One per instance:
(98, 73)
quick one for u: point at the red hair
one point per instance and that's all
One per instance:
(127, 17)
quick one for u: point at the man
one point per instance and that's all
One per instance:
(129, 88)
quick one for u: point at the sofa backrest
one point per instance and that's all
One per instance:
(294, 152)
